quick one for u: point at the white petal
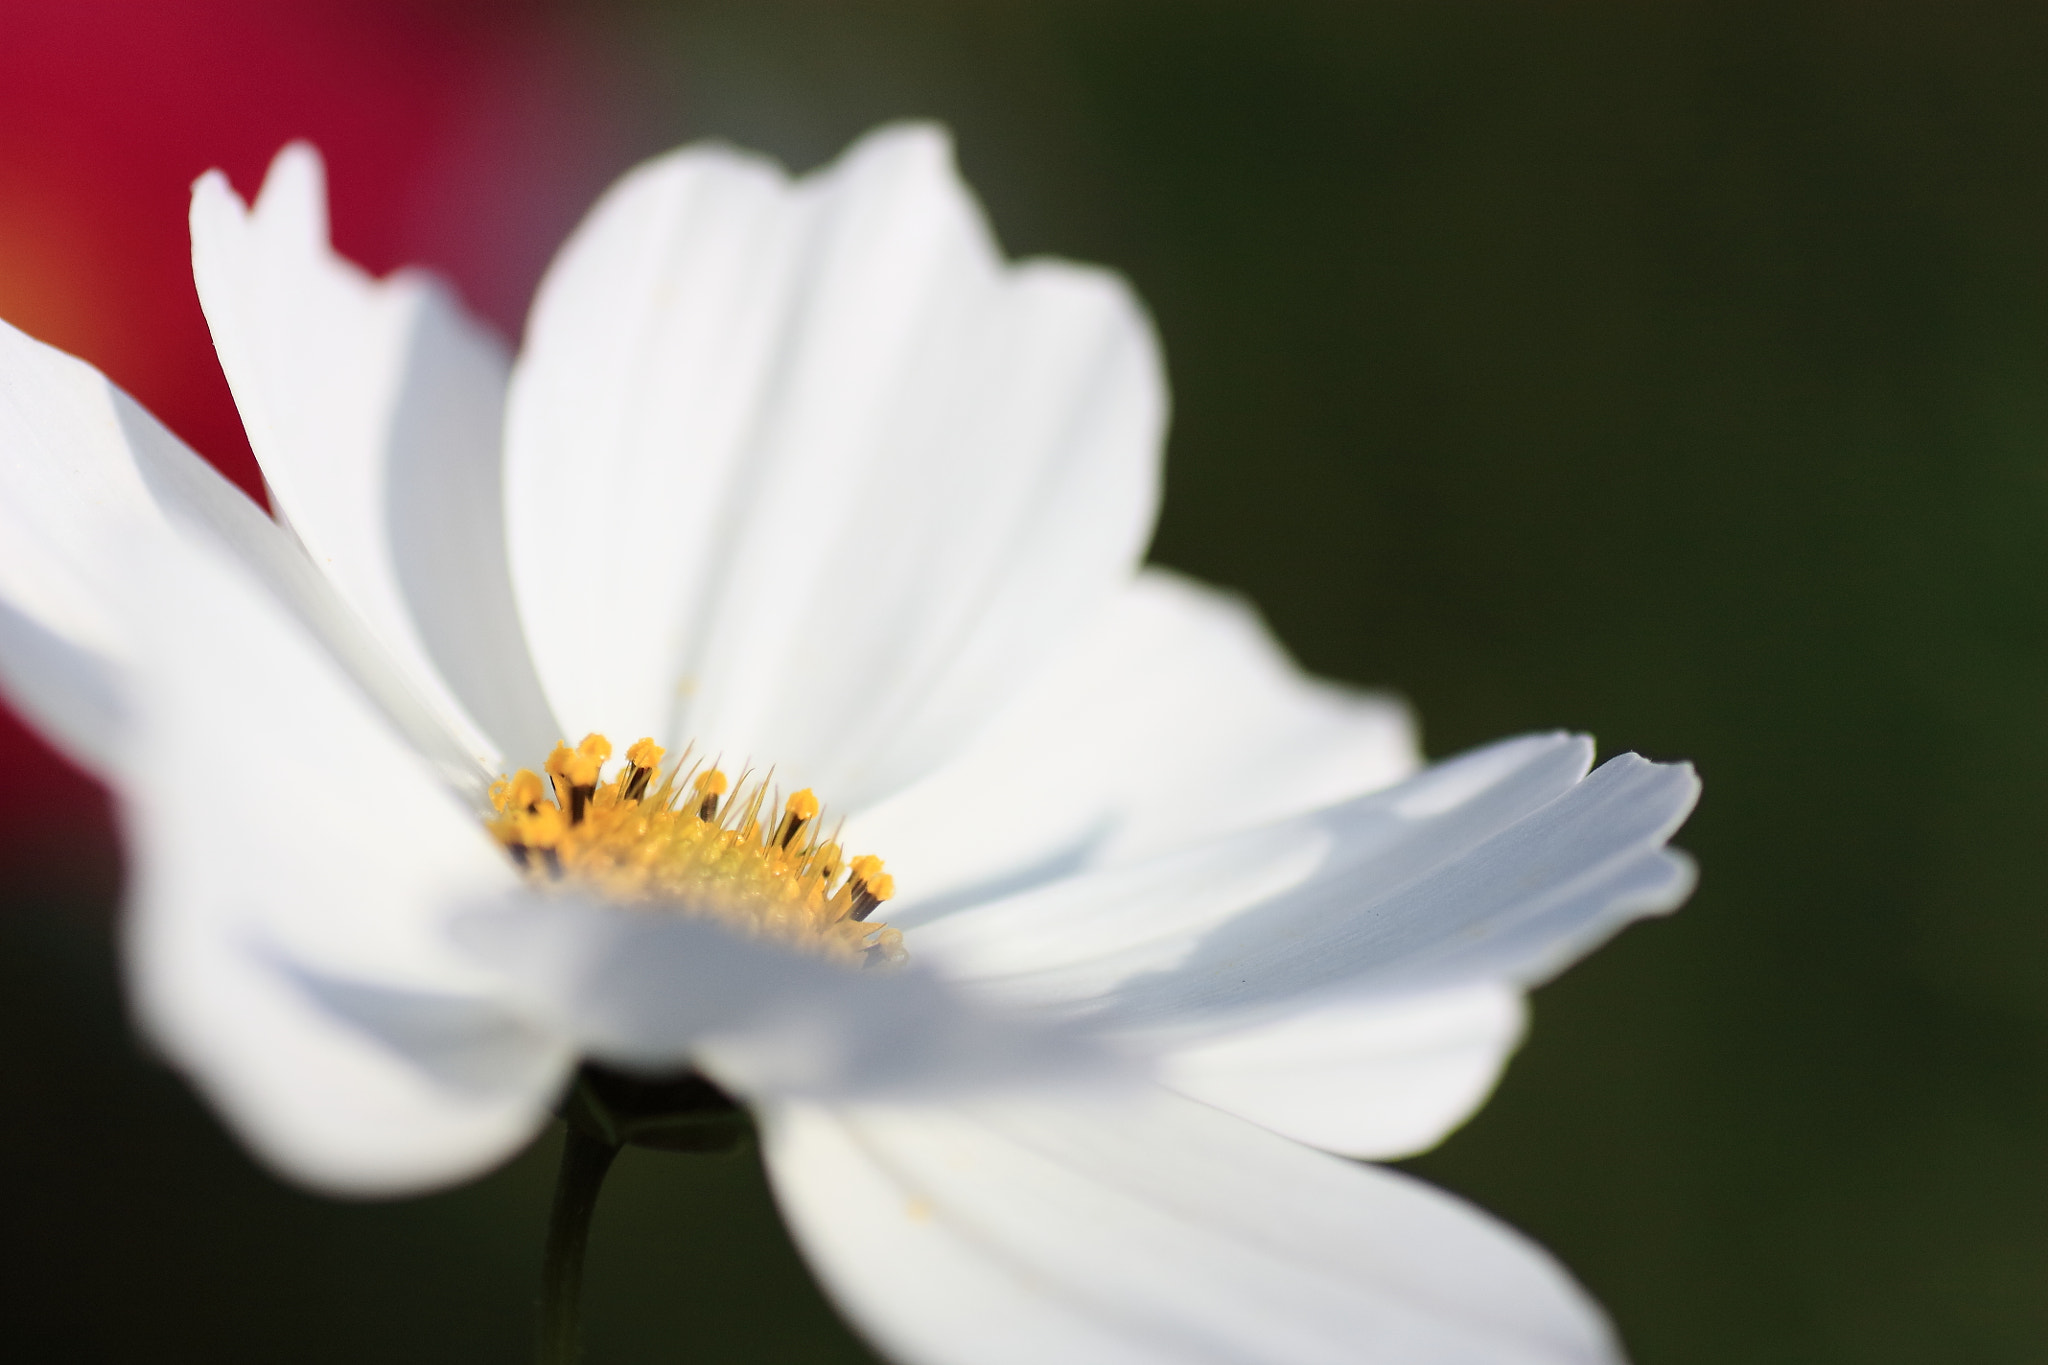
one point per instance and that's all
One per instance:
(1148, 1232)
(1371, 1077)
(803, 472)
(295, 864)
(1088, 938)
(1520, 906)
(83, 474)
(67, 691)
(91, 487)
(656, 992)
(374, 407)
(1174, 719)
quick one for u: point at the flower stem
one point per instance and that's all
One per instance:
(585, 1159)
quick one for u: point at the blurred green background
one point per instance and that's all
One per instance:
(1677, 371)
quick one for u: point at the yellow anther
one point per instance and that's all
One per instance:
(643, 760)
(796, 813)
(525, 790)
(575, 773)
(710, 785)
(582, 766)
(578, 767)
(869, 887)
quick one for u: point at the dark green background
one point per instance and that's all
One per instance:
(1674, 371)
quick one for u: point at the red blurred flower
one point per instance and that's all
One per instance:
(459, 134)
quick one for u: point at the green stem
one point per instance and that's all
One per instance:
(585, 1159)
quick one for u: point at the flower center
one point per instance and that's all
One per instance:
(686, 840)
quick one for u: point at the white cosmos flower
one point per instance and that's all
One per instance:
(803, 471)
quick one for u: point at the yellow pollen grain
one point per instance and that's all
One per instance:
(520, 792)
(666, 841)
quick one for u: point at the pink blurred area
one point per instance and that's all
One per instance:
(461, 134)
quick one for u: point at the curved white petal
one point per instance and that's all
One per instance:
(374, 407)
(1520, 906)
(1152, 1231)
(1370, 1077)
(1087, 938)
(295, 867)
(1174, 719)
(803, 472)
(650, 991)
(91, 488)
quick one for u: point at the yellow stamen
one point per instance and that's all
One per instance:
(521, 791)
(671, 842)
(643, 762)
(709, 786)
(796, 813)
(870, 886)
